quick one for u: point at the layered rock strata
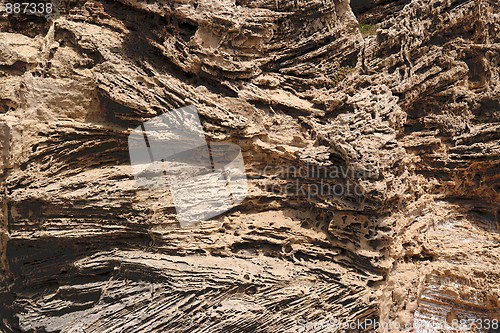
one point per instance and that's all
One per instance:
(398, 123)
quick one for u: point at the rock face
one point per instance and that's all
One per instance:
(370, 132)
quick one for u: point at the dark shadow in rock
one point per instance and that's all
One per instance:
(376, 11)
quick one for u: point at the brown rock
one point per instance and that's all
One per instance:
(371, 143)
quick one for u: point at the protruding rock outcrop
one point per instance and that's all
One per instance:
(371, 145)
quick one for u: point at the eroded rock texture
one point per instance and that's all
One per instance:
(401, 96)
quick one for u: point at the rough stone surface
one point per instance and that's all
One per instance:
(401, 96)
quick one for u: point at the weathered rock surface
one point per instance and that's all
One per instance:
(403, 121)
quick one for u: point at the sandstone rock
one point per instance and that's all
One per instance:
(372, 162)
